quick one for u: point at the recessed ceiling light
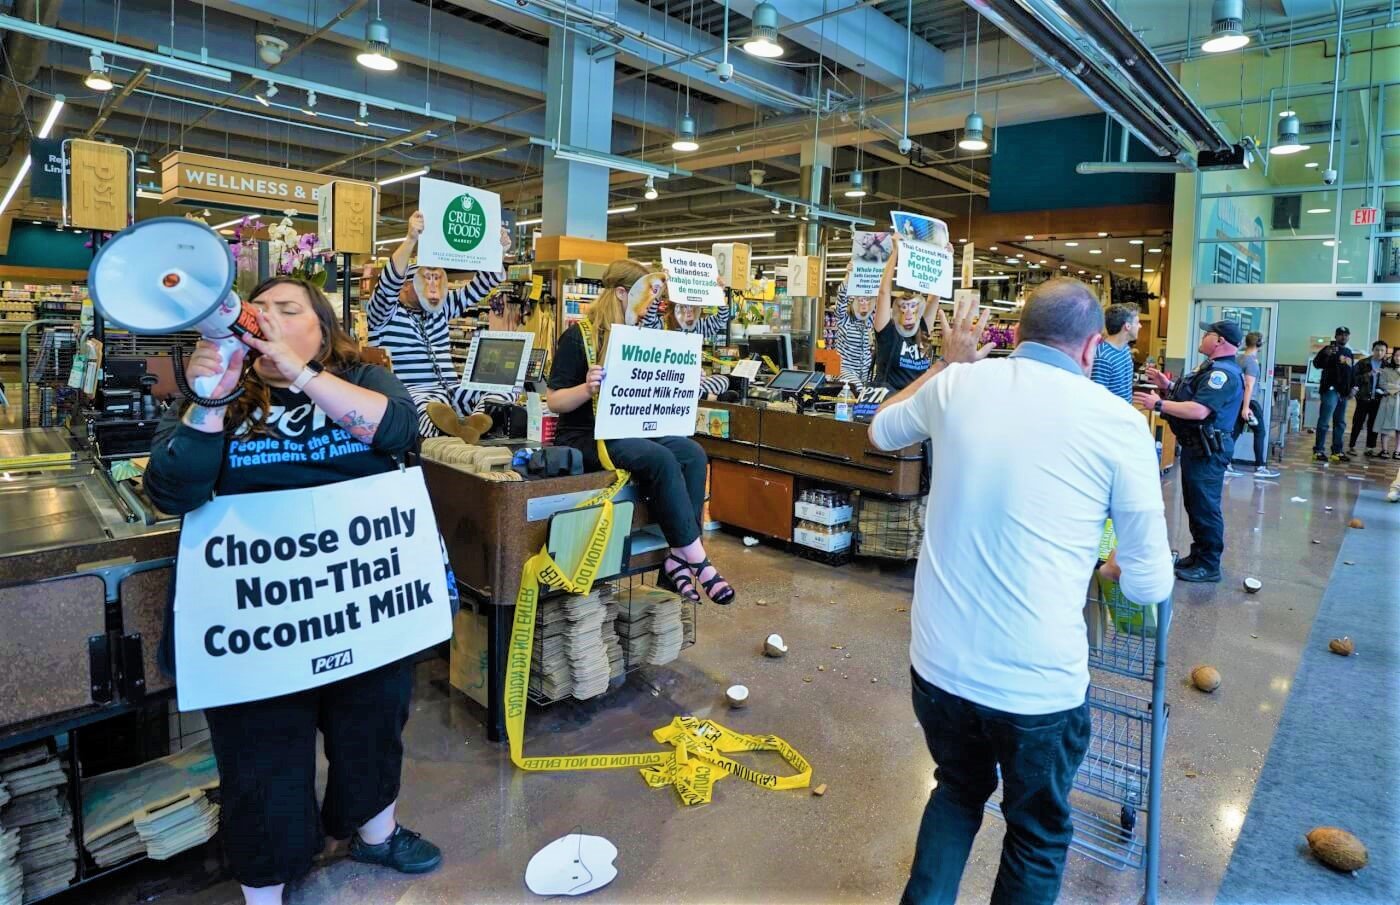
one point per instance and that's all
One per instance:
(1134, 241)
(1071, 244)
(1343, 261)
(1136, 266)
(1148, 270)
(1064, 267)
(962, 241)
(1096, 251)
(1080, 271)
(992, 248)
(1319, 210)
(1043, 261)
(1329, 242)
(1101, 235)
(1028, 238)
(1312, 164)
(1119, 260)
(1153, 251)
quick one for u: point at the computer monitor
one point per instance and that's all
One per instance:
(777, 346)
(790, 380)
(497, 361)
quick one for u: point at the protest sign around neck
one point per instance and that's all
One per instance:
(651, 384)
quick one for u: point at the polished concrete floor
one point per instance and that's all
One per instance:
(848, 711)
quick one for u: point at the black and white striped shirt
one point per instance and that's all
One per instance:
(418, 341)
(852, 340)
(712, 329)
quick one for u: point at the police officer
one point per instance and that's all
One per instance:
(1201, 409)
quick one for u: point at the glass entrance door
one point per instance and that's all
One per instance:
(1261, 318)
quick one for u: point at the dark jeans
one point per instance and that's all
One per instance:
(1260, 433)
(1365, 416)
(266, 752)
(1038, 757)
(1202, 481)
(1331, 409)
(670, 473)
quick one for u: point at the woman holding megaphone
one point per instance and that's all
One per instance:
(310, 413)
(669, 471)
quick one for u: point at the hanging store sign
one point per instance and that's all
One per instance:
(691, 278)
(462, 227)
(199, 179)
(47, 168)
(100, 187)
(732, 262)
(651, 384)
(925, 268)
(286, 590)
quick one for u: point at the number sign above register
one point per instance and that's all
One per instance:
(196, 178)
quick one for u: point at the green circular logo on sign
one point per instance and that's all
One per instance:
(464, 223)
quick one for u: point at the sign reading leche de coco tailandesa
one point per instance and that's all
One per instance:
(198, 178)
(651, 384)
(287, 590)
(461, 227)
(691, 278)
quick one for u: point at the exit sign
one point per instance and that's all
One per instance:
(1363, 216)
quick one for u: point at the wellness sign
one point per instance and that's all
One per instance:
(462, 227)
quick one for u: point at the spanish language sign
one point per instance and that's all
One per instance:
(691, 278)
(925, 267)
(869, 252)
(462, 227)
(651, 384)
(283, 591)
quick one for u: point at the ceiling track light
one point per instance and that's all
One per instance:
(362, 118)
(685, 136)
(650, 194)
(1226, 27)
(377, 55)
(267, 95)
(856, 189)
(763, 38)
(310, 108)
(97, 77)
(792, 211)
(1287, 141)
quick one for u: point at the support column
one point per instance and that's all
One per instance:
(578, 111)
(815, 178)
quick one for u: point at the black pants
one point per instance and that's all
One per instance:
(266, 751)
(1202, 481)
(1261, 432)
(1365, 416)
(1038, 757)
(670, 473)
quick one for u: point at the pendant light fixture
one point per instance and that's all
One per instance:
(376, 54)
(685, 135)
(362, 118)
(1226, 27)
(763, 39)
(1288, 125)
(97, 79)
(651, 193)
(143, 162)
(856, 188)
(972, 139)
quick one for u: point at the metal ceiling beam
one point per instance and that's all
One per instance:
(856, 36)
(116, 101)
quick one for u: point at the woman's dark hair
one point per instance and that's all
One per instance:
(338, 351)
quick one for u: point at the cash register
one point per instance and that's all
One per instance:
(499, 363)
(787, 382)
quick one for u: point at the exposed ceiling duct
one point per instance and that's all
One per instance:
(1087, 43)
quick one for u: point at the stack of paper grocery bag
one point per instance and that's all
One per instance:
(157, 809)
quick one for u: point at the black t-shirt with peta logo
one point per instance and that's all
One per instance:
(899, 359)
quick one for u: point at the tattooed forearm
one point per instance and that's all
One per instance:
(210, 420)
(360, 427)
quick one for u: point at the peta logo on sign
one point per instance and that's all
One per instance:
(331, 661)
(648, 425)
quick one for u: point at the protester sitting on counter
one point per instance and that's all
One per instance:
(669, 471)
(853, 328)
(902, 336)
(408, 316)
(307, 389)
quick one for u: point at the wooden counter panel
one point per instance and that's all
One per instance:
(44, 631)
(729, 450)
(895, 477)
(755, 499)
(745, 422)
(827, 437)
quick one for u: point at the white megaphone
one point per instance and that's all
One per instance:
(170, 274)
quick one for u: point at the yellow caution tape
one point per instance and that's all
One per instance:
(697, 758)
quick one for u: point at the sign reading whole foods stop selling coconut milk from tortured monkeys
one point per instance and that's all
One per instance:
(651, 384)
(461, 227)
(287, 590)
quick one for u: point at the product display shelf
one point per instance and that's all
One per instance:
(1124, 761)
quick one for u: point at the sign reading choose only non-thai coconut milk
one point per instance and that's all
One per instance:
(651, 384)
(462, 227)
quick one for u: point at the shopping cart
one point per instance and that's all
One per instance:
(1120, 780)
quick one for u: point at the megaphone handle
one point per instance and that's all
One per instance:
(205, 385)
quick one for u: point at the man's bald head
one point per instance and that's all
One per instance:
(1063, 313)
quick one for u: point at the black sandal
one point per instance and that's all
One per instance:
(724, 599)
(680, 578)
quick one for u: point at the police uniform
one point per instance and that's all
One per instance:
(1206, 449)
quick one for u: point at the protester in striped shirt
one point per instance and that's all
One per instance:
(1113, 363)
(713, 328)
(408, 317)
(854, 325)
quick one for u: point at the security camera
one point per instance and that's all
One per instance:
(725, 71)
(1329, 176)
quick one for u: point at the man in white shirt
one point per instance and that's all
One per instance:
(1017, 505)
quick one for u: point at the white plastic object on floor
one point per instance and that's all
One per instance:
(571, 866)
(750, 540)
